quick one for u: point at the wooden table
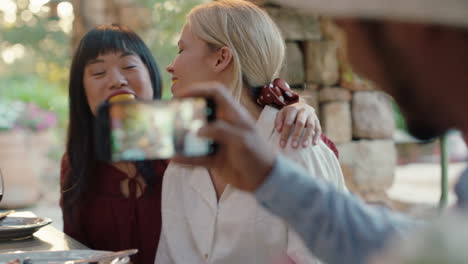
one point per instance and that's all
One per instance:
(47, 238)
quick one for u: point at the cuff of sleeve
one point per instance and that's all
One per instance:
(270, 185)
(275, 192)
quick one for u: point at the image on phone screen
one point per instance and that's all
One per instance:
(158, 129)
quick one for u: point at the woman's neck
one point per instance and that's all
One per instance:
(249, 103)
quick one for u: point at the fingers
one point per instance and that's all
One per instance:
(299, 128)
(279, 121)
(309, 132)
(318, 131)
(290, 117)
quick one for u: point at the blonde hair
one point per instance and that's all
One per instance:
(255, 40)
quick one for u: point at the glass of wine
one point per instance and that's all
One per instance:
(1, 185)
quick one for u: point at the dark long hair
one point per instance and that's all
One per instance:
(80, 155)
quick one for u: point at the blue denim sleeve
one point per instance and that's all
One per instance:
(336, 227)
(461, 190)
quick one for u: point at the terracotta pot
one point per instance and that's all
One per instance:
(39, 144)
(21, 170)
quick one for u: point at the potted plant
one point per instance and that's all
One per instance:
(23, 150)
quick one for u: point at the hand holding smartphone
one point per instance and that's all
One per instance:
(150, 130)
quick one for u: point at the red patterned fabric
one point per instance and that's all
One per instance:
(277, 94)
(331, 145)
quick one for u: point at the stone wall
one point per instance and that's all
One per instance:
(357, 117)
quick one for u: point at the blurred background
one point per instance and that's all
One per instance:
(37, 39)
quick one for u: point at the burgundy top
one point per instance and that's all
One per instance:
(330, 145)
(111, 221)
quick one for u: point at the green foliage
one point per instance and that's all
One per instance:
(45, 44)
(9, 114)
(168, 18)
(32, 89)
(400, 122)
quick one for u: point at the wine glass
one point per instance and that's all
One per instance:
(1, 185)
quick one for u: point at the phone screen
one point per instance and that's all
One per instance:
(158, 129)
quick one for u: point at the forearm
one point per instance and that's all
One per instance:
(336, 227)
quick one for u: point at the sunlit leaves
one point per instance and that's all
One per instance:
(36, 5)
(9, 10)
(10, 54)
(168, 17)
(35, 37)
(65, 13)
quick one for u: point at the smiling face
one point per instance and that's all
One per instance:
(196, 62)
(115, 73)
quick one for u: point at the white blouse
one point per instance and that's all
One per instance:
(196, 228)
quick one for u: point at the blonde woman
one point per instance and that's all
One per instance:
(205, 220)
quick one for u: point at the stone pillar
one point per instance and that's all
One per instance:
(357, 117)
(293, 69)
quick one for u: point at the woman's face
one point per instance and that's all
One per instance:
(193, 64)
(116, 73)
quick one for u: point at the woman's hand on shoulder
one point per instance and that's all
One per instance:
(298, 123)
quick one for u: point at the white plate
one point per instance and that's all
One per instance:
(13, 227)
(41, 257)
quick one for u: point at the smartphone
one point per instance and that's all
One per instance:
(152, 130)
